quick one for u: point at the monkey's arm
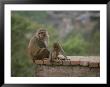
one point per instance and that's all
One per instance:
(62, 51)
(33, 48)
(36, 47)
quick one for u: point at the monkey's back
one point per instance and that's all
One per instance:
(35, 45)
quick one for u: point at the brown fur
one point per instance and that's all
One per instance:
(55, 51)
(38, 45)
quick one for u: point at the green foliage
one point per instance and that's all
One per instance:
(39, 16)
(76, 46)
(20, 64)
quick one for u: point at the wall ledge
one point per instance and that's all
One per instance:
(88, 61)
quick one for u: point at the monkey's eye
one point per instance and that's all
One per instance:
(41, 32)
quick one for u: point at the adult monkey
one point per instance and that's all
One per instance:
(38, 45)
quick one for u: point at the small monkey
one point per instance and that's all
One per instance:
(57, 53)
(38, 45)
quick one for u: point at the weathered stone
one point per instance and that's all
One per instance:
(75, 62)
(66, 68)
(66, 62)
(66, 71)
(84, 63)
(39, 61)
(93, 64)
(57, 62)
(94, 61)
(47, 62)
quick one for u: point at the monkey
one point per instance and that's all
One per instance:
(38, 45)
(57, 53)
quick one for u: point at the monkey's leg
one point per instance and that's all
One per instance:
(33, 60)
(44, 53)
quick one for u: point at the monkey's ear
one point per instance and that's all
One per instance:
(37, 34)
(47, 33)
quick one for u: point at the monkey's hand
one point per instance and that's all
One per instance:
(42, 49)
(62, 57)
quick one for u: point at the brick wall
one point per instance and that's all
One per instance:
(76, 66)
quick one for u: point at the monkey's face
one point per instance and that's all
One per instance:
(56, 47)
(42, 35)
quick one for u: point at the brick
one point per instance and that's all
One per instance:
(66, 62)
(75, 62)
(74, 57)
(84, 63)
(39, 61)
(94, 59)
(93, 64)
(47, 62)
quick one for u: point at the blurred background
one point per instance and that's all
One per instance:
(77, 31)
